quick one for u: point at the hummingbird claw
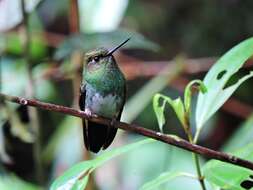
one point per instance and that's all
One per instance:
(88, 112)
(113, 122)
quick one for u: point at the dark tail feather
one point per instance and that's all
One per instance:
(97, 135)
(85, 133)
(112, 133)
(110, 137)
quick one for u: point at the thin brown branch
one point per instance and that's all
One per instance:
(74, 17)
(237, 108)
(135, 128)
(136, 68)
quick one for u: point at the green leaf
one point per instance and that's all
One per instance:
(88, 41)
(159, 111)
(116, 152)
(163, 178)
(176, 104)
(228, 176)
(15, 78)
(14, 81)
(217, 78)
(157, 158)
(81, 184)
(72, 176)
(75, 177)
(59, 137)
(188, 93)
(13, 44)
(11, 182)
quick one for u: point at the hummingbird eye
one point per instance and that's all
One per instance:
(96, 58)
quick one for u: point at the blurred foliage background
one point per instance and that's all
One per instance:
(40, 57)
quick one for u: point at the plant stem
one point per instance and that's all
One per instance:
(33, 113)
(187, 128)
(196, 160)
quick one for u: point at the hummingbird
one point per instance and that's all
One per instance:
(103, 93)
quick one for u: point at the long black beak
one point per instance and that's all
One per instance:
(116, 48)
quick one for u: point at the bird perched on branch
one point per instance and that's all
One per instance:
(102, 92)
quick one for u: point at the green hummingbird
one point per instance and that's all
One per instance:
(103, 93)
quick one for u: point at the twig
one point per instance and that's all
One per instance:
(188, 132)
(136, 68)
(212, 154)
(74, 17)
(76, 57)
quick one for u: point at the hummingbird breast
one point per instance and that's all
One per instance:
(107, 105)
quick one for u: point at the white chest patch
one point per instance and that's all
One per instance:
(107, 106)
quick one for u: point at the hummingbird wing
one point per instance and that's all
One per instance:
(94, 134)
(82, 107)
(112, 130)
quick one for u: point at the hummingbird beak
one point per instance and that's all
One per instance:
(117, 47)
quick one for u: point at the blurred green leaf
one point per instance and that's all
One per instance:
(176, 104)
(101, 159)
(236, 141)
(144, 96)
(78, 172)
(2, 44)
(46, 89)
(61, 136)
(229, 176)
(69, 179)
(15, 78)
(88, 41)
(14, 81)
(18, 128)
(11, 182)
(144, 164)
(217, 78)
(13, 45)
(163, 178)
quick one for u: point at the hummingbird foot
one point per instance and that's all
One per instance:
(88, 112)
(113, 122)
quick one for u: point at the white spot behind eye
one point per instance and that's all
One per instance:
(96, 59)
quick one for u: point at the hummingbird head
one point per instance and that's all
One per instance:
(101, 57)
(96, 59)
(99, 63)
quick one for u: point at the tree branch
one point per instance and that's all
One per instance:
(212, 154)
